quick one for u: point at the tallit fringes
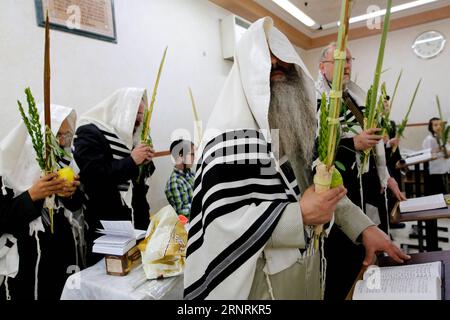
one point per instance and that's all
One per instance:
(361, 193)
(75, 241)
(36, 270)
(132, 217)
(7, 293)
(269, 286)
(4, 192)
(387, 212)
(323, 264)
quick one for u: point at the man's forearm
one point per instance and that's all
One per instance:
(351, 219)
(289, 232)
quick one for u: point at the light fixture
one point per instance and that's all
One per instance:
(379, 13)
(294, 11)
(429, 40)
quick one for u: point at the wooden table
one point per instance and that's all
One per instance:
(417, 258)
(425, 215)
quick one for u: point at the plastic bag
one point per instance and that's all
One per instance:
(164, 248)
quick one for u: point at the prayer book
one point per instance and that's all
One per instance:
(418, 158)
(418, 153)
(408, 282)
(436, 201)
(118, 238)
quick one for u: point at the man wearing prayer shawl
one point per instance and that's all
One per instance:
(108, 151)
(250, 230)
(370, 197)
(27, 245)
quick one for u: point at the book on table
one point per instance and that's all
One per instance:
(436, 201)
(118, 237)
(418, 158)
(407, 282)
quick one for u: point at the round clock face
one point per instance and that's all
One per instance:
(429, 44)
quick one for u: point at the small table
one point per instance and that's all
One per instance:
(417, 258)
(94, 284)
(425, 215)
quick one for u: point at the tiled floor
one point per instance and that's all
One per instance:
(401, 236)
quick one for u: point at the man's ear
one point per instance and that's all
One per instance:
(321, 67)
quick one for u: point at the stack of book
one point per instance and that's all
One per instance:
(119, 245)
(118, 237)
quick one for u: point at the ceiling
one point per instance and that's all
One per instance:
(324, 12)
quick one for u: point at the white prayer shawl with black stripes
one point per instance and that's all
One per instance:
(115, 117)
(119, 152)
(239, 196)
(19, 169)
(240, 190)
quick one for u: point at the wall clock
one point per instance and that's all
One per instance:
(429, 44)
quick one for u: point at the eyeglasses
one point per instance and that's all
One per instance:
(66, 136)
(348, 60)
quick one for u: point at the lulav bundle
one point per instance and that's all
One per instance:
(445, 130)
(372, 107)
(386, 115)
(148, 112)
(329, 119)
(323, 129)
(401, 128)
(34, 128)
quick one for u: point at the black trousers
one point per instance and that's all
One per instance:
(344, 261)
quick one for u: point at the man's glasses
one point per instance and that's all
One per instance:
(66, 136)
(348, 60)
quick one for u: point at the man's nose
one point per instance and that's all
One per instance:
(348, 67)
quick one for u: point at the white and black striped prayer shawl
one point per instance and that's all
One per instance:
(64, 162)
(119, 151)
(239, 197)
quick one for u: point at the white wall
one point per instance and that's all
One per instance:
(435, 73)
(85, 71)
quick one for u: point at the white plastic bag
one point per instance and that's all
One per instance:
(164, 248)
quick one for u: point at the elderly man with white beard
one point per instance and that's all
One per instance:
(254, 206)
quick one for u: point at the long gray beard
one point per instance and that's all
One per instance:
(292, 112)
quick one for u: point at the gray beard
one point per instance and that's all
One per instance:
(292, 112)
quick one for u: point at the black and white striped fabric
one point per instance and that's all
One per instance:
(119, 152)
(64, 162)
(239, 196)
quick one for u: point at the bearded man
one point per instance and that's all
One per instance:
(254, 209)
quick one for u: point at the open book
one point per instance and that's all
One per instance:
(436, 201)
(409, 282)
(418, 158)
(118, 238)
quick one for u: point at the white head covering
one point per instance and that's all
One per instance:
(18, 166)
(245, 99)
(244, 104)
(117, 113)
